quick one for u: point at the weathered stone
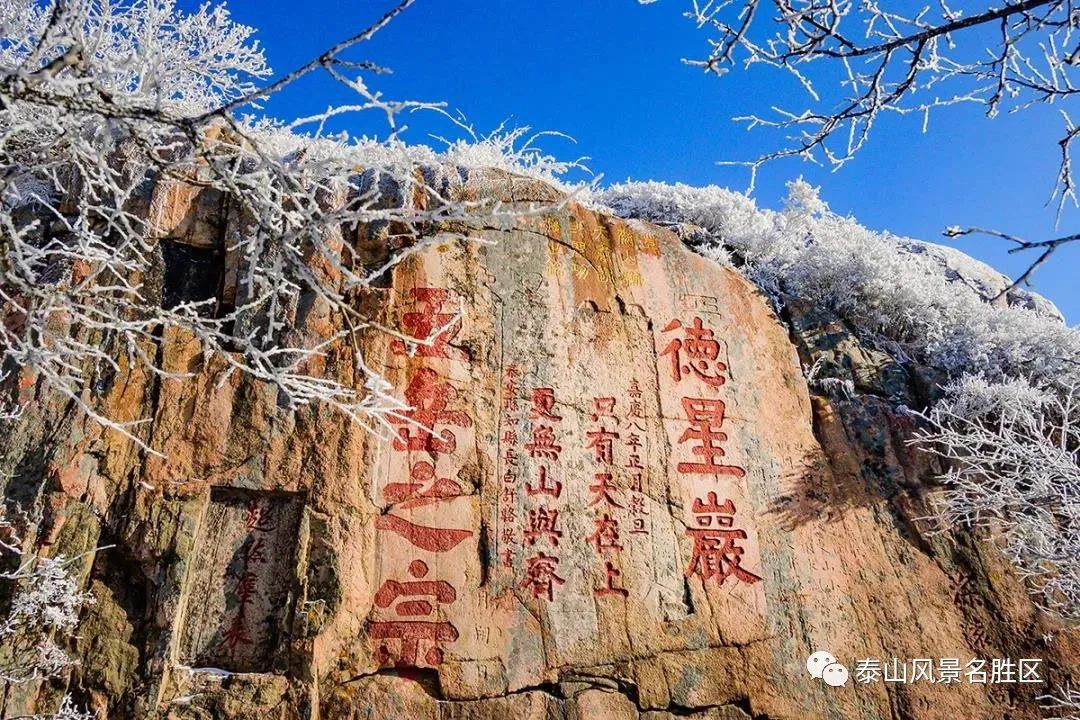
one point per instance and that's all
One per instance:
(428, 575)
(188, 213)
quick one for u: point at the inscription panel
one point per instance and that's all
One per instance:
(240, 585)
(572, 465)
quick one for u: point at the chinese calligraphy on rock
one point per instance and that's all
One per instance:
(412, 628)
(696, 369)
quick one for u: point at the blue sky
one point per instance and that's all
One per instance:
(608, 73)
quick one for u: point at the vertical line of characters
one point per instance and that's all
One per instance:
(696, 369)
(541, 534)
(415, 631)
(243, 571)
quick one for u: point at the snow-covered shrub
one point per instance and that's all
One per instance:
(1014, 468)
(44, 606)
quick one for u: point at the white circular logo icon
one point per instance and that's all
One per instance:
(816, 663)
(835, 674)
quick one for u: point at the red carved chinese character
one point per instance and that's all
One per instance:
(432, 539)
(423, 597)
(254, 551)
(544, 487)
(257, 518)
(602, 490)
(543, 443)
(540, 576)
(706, 417)
(715, 553)
(635, 390)
(603, 407)
(542, 524)
(698, 353)
(510, 436)
(432, 328)
(245, 588)
(423, 487)
(606, 534)
(510, 391)
(510, 457)
(236, 633)
(429, 399)
(602, 443)
(543, 404)
(610, 573)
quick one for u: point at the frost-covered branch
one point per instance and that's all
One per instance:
(858, 62)
(1046, 248)
(44, 607)
(1013, 455)
(116, 116)
(1064, 700)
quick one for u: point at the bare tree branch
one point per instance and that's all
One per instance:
(1047, 246)
(99, 102)
(860, 61)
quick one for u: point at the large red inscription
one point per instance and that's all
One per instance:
(695, 364)
(411, 627)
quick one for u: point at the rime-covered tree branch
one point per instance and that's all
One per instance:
(44, 609)
(1046, 248)
(1012, 452)
(107, 108)
(858, 62)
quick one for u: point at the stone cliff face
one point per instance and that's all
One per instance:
(615, 497)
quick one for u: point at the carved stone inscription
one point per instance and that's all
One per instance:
(425, 528)
(597, 481)
(239, 586)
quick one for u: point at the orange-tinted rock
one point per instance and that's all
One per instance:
(615, 498)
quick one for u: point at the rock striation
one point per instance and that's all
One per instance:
(615, 496)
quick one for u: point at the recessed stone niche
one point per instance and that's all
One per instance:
(238, 593)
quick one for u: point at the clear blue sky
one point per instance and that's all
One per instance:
(608, 73)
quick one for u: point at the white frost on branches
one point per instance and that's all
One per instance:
(1013, 455)
(45, 606)
(104, 104)
(139, 55)
(854, 63)
(858, 61)
(1063, 700)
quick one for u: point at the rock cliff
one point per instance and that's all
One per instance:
(615, 497)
